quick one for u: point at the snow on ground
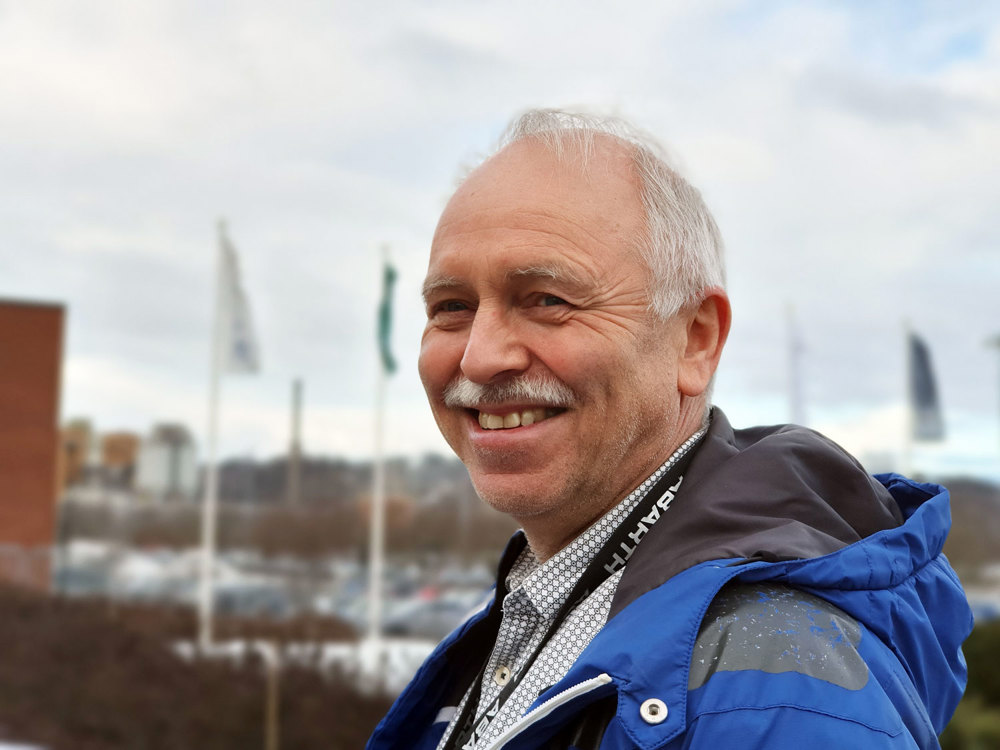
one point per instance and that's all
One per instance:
(385, 665)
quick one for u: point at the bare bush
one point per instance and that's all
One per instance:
(77, 677)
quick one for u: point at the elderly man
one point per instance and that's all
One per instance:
(677, 583)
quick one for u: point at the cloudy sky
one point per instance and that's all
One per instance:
(850, 152)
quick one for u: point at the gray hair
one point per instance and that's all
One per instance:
(682, 247)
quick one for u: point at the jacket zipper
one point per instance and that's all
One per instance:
(542, 711)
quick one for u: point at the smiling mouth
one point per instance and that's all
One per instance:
(510, 420)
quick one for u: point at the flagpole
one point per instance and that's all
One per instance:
(994, 342)
(909, 420)
(210, 500)
(293, 479)
(376, 541)
(795, 400)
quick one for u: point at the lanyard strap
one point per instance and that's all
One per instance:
(609, 560)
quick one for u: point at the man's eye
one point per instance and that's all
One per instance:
(451, 305)
(548, 300)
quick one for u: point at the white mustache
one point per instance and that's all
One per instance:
(463, 393)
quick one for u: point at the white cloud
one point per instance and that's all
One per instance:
(852, 164)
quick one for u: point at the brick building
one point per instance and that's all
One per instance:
(31, 350)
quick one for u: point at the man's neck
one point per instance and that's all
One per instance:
(550, 533)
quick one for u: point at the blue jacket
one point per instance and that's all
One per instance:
(790, 601)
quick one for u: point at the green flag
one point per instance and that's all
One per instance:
(385, 318)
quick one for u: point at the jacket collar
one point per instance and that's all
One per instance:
(766, 493)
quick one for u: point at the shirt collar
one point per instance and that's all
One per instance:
(546, 585)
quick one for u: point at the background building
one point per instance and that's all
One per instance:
(119, 456)
(167, 466)
(31, 350)
(78, 443)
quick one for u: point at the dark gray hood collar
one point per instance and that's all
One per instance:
(765, 493)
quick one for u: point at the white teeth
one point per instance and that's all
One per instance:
(514, 419)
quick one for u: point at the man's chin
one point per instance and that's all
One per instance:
(519, 497)
(513, 498)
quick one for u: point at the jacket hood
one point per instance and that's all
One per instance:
(766, 493)
(787, 505)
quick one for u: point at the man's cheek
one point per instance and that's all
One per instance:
(428, 365)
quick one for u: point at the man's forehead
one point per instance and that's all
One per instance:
(531, 214)
(605, 175)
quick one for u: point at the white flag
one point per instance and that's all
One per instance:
(239, 353)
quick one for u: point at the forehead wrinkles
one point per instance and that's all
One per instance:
(534, 243)
(579, 225)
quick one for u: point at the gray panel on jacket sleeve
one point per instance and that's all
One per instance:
(774, 628)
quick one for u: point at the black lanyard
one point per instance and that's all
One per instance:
(609, 560)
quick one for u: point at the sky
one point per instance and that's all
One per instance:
(850, 152)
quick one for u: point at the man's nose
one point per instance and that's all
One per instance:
(494, 349)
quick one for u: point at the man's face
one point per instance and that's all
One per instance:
(534, 278)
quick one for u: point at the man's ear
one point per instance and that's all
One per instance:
(707, 327)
